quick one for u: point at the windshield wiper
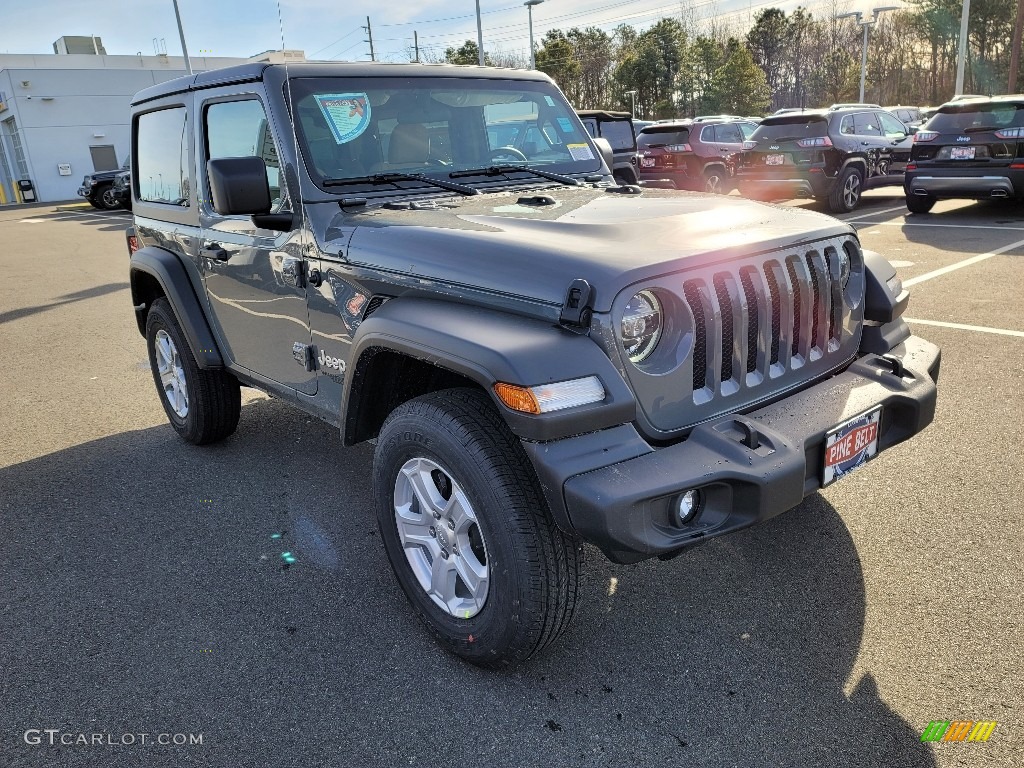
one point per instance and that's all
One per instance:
(784, 138)
(980, 128)
(391, 178)
(500, 170)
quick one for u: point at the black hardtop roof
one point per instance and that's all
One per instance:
(604, 114)
(244, 73)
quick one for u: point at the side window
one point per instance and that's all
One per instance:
(707, 134)
(865, 124)
(240, 129)
(591, 125)
(162, 149)
(891, 126)
(747, 129)
(728, 133)
(846, 127)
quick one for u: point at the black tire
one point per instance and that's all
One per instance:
(107, 197)
(716, 181)
(846, 192)
(920, 203)
(532, 566)
(95, 200)
(214, 398)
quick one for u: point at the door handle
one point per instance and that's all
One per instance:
(214, 251)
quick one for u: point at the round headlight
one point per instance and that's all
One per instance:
(844, 267)
(641, 326)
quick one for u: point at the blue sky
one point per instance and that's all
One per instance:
(331, 29)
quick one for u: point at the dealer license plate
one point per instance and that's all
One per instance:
(851, 445)
(647, 162)
(961, 153)
(774, 159)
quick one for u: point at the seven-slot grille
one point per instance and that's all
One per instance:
(753, 323)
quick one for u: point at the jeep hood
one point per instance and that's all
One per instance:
(533, 244)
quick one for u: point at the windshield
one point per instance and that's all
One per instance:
(352, 128)
(963, 117)
(788, 127)
(662, 137)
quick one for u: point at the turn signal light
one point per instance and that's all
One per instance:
(545, 398)
(817, 141)
(925, 136)
(517, 398)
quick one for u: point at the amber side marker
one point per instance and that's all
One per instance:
(517, 398)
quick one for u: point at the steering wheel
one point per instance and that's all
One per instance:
(505, 152)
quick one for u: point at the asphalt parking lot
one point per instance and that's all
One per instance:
(142, 586)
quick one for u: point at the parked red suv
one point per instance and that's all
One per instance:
(692, 154)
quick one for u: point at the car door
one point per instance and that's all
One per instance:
(900, 142)
(869, 140)
(253, 276)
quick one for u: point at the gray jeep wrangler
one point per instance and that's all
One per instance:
(438, 259)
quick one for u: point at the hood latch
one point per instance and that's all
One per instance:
(576, 310)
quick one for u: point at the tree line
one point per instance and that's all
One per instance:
(683, 67)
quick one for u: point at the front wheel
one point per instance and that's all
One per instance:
(846, 191)
(203, 406)
(468, 532)
(920, 203)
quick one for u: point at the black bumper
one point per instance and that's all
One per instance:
(625, 507)
(783, 184)
(969, 183)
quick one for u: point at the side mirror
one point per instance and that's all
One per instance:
(238, 186)
(912, 129)
(605, 148)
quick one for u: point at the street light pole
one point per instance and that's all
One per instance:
(857, 16)
(632, 101)
(961, 57)
(529, 10)
(479, 36)
(181, 33)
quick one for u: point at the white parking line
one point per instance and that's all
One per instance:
(949, 226)
(875, 213)
(962, 327)
(961, 264)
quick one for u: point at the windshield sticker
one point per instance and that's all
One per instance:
(580, 151)
(565, 124)
(347, 114)
(549, 100)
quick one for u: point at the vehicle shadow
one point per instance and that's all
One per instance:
(240, 590)
(69, 298)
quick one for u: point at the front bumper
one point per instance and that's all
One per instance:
(85, 191)
(625, 507)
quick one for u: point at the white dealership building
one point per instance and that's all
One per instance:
(64, 115)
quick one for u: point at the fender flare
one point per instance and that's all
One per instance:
(488, 346)
(170, 274)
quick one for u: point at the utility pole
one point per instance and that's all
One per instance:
(369, 34)
(416, 44)
(1018, 30)
(961, 59)
(181, 32)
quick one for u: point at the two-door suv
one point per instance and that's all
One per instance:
(829, 154)
(543, 357)
(973, 149)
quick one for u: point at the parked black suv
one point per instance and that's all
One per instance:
(833, 155)
(973, 149)
(617, 129)
(98, 189)
(693, 154)
(543, 357)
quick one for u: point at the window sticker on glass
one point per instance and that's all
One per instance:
(580, 151)
(347, 114)
(565, 124)
(549, 100)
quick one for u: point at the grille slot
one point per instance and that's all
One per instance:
(692, 292)
(773, 289)
(753, 319)
(794, 285)
(725, 306)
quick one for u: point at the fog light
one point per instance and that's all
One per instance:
(689, 505)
